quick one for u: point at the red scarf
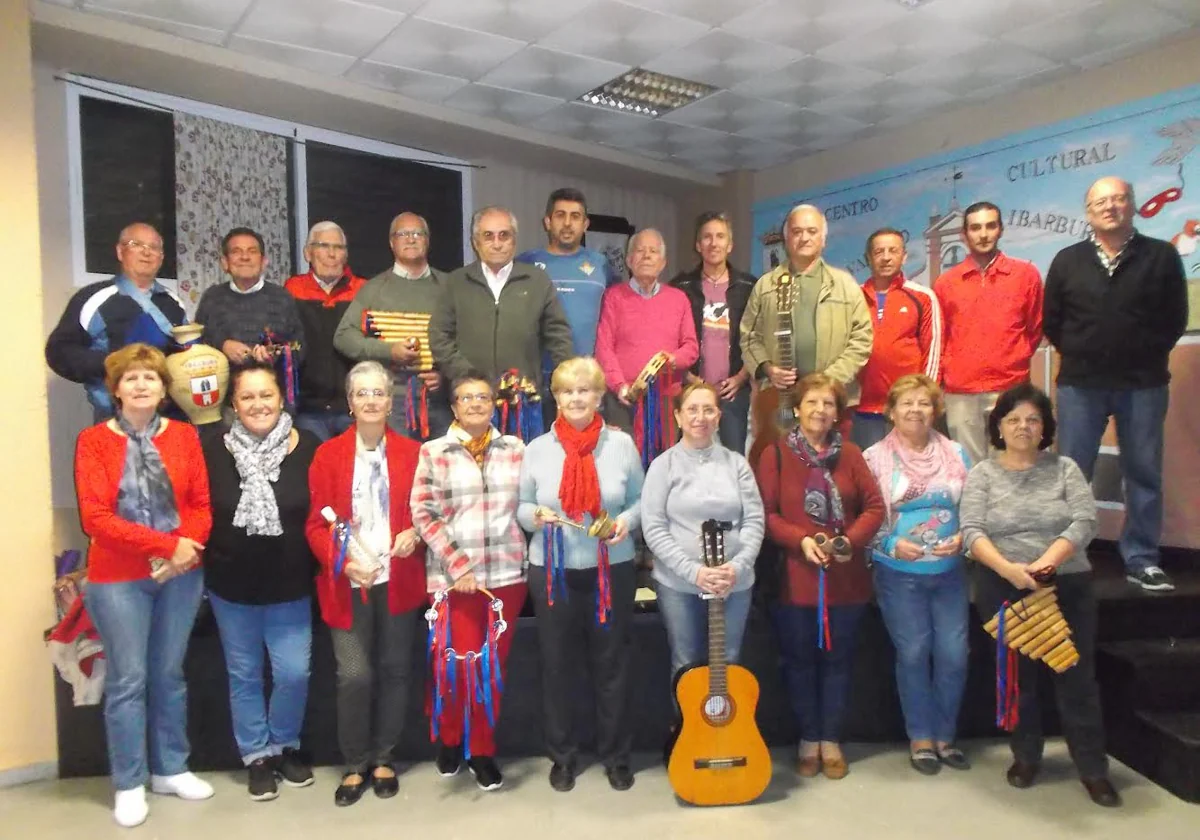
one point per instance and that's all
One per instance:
(579, 486)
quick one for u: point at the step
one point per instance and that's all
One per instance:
(1158, 675)
(1164, 747)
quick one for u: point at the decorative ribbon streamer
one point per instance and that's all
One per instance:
(554, 552)
(416, 409)
(603, 586)
(824, 636)
(339, 533)
(531, 422)
(1008, 691)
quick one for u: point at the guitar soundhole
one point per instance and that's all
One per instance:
(718, 709)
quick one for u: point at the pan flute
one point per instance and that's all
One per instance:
(1035, 627)
(400, 327)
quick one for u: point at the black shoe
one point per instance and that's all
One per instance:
(347, 794)
(1021, 775)
(261, 783)
(449, 760)
(562, 777)
(385, 787)
(619, 776)
(953, 757)
(293, 769)
(1102, 792)
(925, 761)
(1152, 579)
(487, 774)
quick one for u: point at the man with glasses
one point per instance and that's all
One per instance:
(247, 315)
(1115, 305)
(495, 314)
(408, 291)
(105, 316)
(323, 294)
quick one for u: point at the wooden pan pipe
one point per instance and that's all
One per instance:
(400, 327)
(1035, 627)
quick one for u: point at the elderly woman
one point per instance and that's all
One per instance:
(1027, 517)
(143, 503)
(371, 595)
(259, 570)
(583, 593)
(920, 581)
(464, 504)
(816, 489)
(695, 480)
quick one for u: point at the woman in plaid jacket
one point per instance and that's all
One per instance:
(464, 506)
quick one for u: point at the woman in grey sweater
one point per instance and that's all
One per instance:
(1027, 517)
(694, 480)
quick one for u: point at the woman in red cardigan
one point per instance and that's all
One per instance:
(374, 599)
(143, 502)
(823, 508)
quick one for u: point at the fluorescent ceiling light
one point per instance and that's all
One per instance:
(646, 93)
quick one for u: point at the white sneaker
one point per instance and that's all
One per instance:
(131, 808)
(183, 785)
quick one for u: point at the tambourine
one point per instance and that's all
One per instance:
(651, 370)
(838, 546)
(494, 603)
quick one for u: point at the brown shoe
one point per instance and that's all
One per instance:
(1021, 774)
(835, 768)
(808, 766)
(1102, 792)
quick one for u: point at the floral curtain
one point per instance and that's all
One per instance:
(227, 176)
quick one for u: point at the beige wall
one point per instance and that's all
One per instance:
(27, 736)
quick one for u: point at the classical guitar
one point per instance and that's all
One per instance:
(773, 411)
(719, 756)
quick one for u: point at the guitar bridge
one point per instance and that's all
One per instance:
(719, 763)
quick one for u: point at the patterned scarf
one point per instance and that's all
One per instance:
(822, 501)
(372, 497)
(258, 461)
(579, 485)
(145, 494)
(911, 473)
(477, 446)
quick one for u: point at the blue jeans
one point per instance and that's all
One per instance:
(1082, 418)
(926, 616)
(145, 627)
(817, 681)
(685, 616)
(735, 415)
(869, 429)
(286, 632)
(325, 423)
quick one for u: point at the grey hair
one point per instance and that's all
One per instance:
(321, 227)
(368, 368)
(812, 207)
(477, 217)
(629, 245)
(419, 217)
(1128, 189)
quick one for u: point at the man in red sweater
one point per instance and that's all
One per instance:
(992, 306)
(639, 319)
(908, 333)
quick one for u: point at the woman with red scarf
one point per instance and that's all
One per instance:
(582, 586)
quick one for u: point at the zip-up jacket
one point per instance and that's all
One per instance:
(908, 339)
(741, 284)
(323, 373)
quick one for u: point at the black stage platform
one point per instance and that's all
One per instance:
(1143, 715)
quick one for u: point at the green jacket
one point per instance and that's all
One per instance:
(470, 329)
(844, 331)
(389, 292)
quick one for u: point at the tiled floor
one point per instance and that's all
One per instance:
(881, 798)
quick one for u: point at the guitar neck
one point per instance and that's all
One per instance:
(717, 683)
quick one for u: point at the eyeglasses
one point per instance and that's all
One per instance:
(365, 393)
(144, 247)
(1118, 200)
(332, 247)
(496, 235)
(409, 234)
(470, 398)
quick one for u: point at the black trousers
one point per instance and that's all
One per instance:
(374, 679)
(1075, 690)
(569, 634)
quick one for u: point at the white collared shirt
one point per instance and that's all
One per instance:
(642, 292)
(403, 273)
(496, 280)
(237, 289)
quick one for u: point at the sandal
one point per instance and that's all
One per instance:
(953, 757)
(925, 761)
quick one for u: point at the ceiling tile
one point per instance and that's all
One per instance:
(808, 25)
(405, 6)
(903, 44)
(886, 99)
(334, 26)
(728, 111)
(526, 20)
(586, 122)
(997, 18)
(429, 87)
(1187, 9)
(712, 12)
(317, 61)
(724, 60)
(183, 30)
(210, 14)
(551, 73)
(987, 68)
(498, 103)
(439, 48)
(618, 32)
(809, 80)
(1108, 26)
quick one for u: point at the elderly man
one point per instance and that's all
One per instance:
(1115, 305)
(992, 306)
(322, 295)
(408, 292)
(105, 316)
(908, 333)
(246, 315)
(718, 293)
(828, 328)
(495, 314)
(639, 319)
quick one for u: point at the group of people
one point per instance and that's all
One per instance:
(859, 495)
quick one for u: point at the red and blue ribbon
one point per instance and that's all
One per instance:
(824, 637)
(416, 407)
(554, 552)
(1008, 690)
